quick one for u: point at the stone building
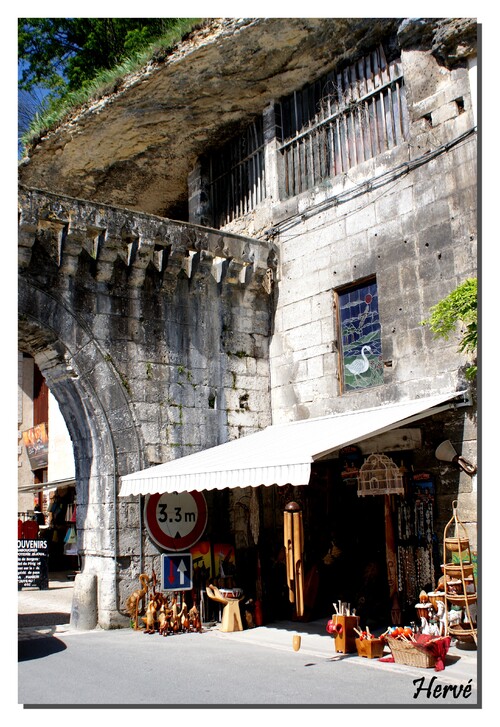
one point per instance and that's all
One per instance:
(241, 243)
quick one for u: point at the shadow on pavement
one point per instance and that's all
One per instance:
(26, 620)
(39, 647)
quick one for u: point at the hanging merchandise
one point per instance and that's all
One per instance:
(293, 541)
(380, 476)
(351, 456)
(70, 516)
(70, 540)
(391, 560)
(416, 540)
(254, 515)
(70, 536)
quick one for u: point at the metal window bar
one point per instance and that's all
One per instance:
(341, 121)
(237, 175)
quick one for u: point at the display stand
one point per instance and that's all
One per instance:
(459, 582)
(344, 629)
(231, 619)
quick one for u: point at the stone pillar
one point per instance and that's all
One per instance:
(199, 198)
(271, 154)
(84, 605)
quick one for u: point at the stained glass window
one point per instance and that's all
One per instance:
(360, 335)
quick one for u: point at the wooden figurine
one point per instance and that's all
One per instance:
(183, 615)
(174, 619)
(138, 596)
(194, 616)
(249, 619)
(441, 617)
(162, 621)
(150, 618)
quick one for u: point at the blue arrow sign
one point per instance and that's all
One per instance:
(176, 572)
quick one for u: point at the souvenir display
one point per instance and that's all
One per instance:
(293, 541)
(136, 598)
(458, 581)
(342, 626)
(231, 617)
(368, 645)
(422, 650)
(416, 542)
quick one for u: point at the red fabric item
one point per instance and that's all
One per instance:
(438, 647)
(30, 530)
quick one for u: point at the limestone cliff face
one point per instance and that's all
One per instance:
(136, 146)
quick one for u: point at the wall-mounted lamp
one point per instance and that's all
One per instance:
(447, 453)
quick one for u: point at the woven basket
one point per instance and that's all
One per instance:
(404, 652)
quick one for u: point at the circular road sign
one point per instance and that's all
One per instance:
(176, 521)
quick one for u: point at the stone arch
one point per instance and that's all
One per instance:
(106, 439)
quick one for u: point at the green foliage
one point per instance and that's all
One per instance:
(77, 59)
(460, 306)
(63, 53)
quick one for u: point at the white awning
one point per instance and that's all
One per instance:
(280, 454)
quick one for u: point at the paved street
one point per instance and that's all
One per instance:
(257, 667)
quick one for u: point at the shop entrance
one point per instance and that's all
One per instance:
(374, 552)
(347, 543)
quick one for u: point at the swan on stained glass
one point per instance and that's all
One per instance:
(360, 365)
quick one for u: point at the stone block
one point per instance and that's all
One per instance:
(392, 206)
(315, 367)
(297, 314)
(362, 220)
(304, 336)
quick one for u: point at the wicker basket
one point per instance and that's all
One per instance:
(457, 545)
(463, 633)
(404, 652)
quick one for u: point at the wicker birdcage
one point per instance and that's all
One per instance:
(380, 475)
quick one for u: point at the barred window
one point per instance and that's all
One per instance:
(346, 117)
(237, 175)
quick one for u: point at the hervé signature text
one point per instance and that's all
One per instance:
(441, 691)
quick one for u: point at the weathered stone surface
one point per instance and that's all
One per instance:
(451, 39)
(161, 338)
(137, 146)
(135, 367)
(84, 615)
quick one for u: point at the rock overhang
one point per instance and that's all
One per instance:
(136, 146)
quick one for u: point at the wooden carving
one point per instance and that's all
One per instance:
(136, 598)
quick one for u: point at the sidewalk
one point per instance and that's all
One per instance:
(461, 663)
(43, 613)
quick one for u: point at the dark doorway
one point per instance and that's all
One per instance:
(345, 541)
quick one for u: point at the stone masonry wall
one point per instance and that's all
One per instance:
(416, 232)
(153, 336)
